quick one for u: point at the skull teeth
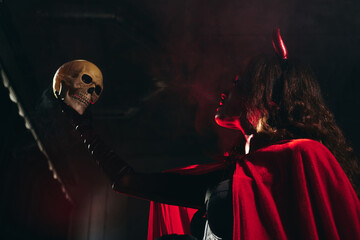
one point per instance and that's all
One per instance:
(80, 99)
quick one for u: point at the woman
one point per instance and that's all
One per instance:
(286, 184)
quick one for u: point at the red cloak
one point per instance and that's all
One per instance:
(290, 190)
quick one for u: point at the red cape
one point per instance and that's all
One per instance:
(290, 190)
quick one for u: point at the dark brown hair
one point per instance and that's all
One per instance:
(291, 105)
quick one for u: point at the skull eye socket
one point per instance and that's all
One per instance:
(98, 90)
(86, 78)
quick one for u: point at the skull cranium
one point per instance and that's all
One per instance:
(78, 83)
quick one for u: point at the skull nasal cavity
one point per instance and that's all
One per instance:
(91, 90)
(86, 78)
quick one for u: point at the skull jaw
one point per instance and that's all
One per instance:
(76, 104)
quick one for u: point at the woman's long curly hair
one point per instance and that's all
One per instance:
(288, 98)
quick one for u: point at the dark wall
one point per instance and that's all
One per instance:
(32, 204)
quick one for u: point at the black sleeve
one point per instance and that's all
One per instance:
(171, 188)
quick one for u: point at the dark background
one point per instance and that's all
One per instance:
(164, 64)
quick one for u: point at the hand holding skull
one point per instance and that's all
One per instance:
(78, 83)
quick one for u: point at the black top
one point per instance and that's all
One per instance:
(217, 210)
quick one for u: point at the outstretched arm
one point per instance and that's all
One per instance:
(170, 188)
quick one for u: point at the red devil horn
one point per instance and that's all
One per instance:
(278, 44)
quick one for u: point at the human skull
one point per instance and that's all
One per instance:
(78, 83)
